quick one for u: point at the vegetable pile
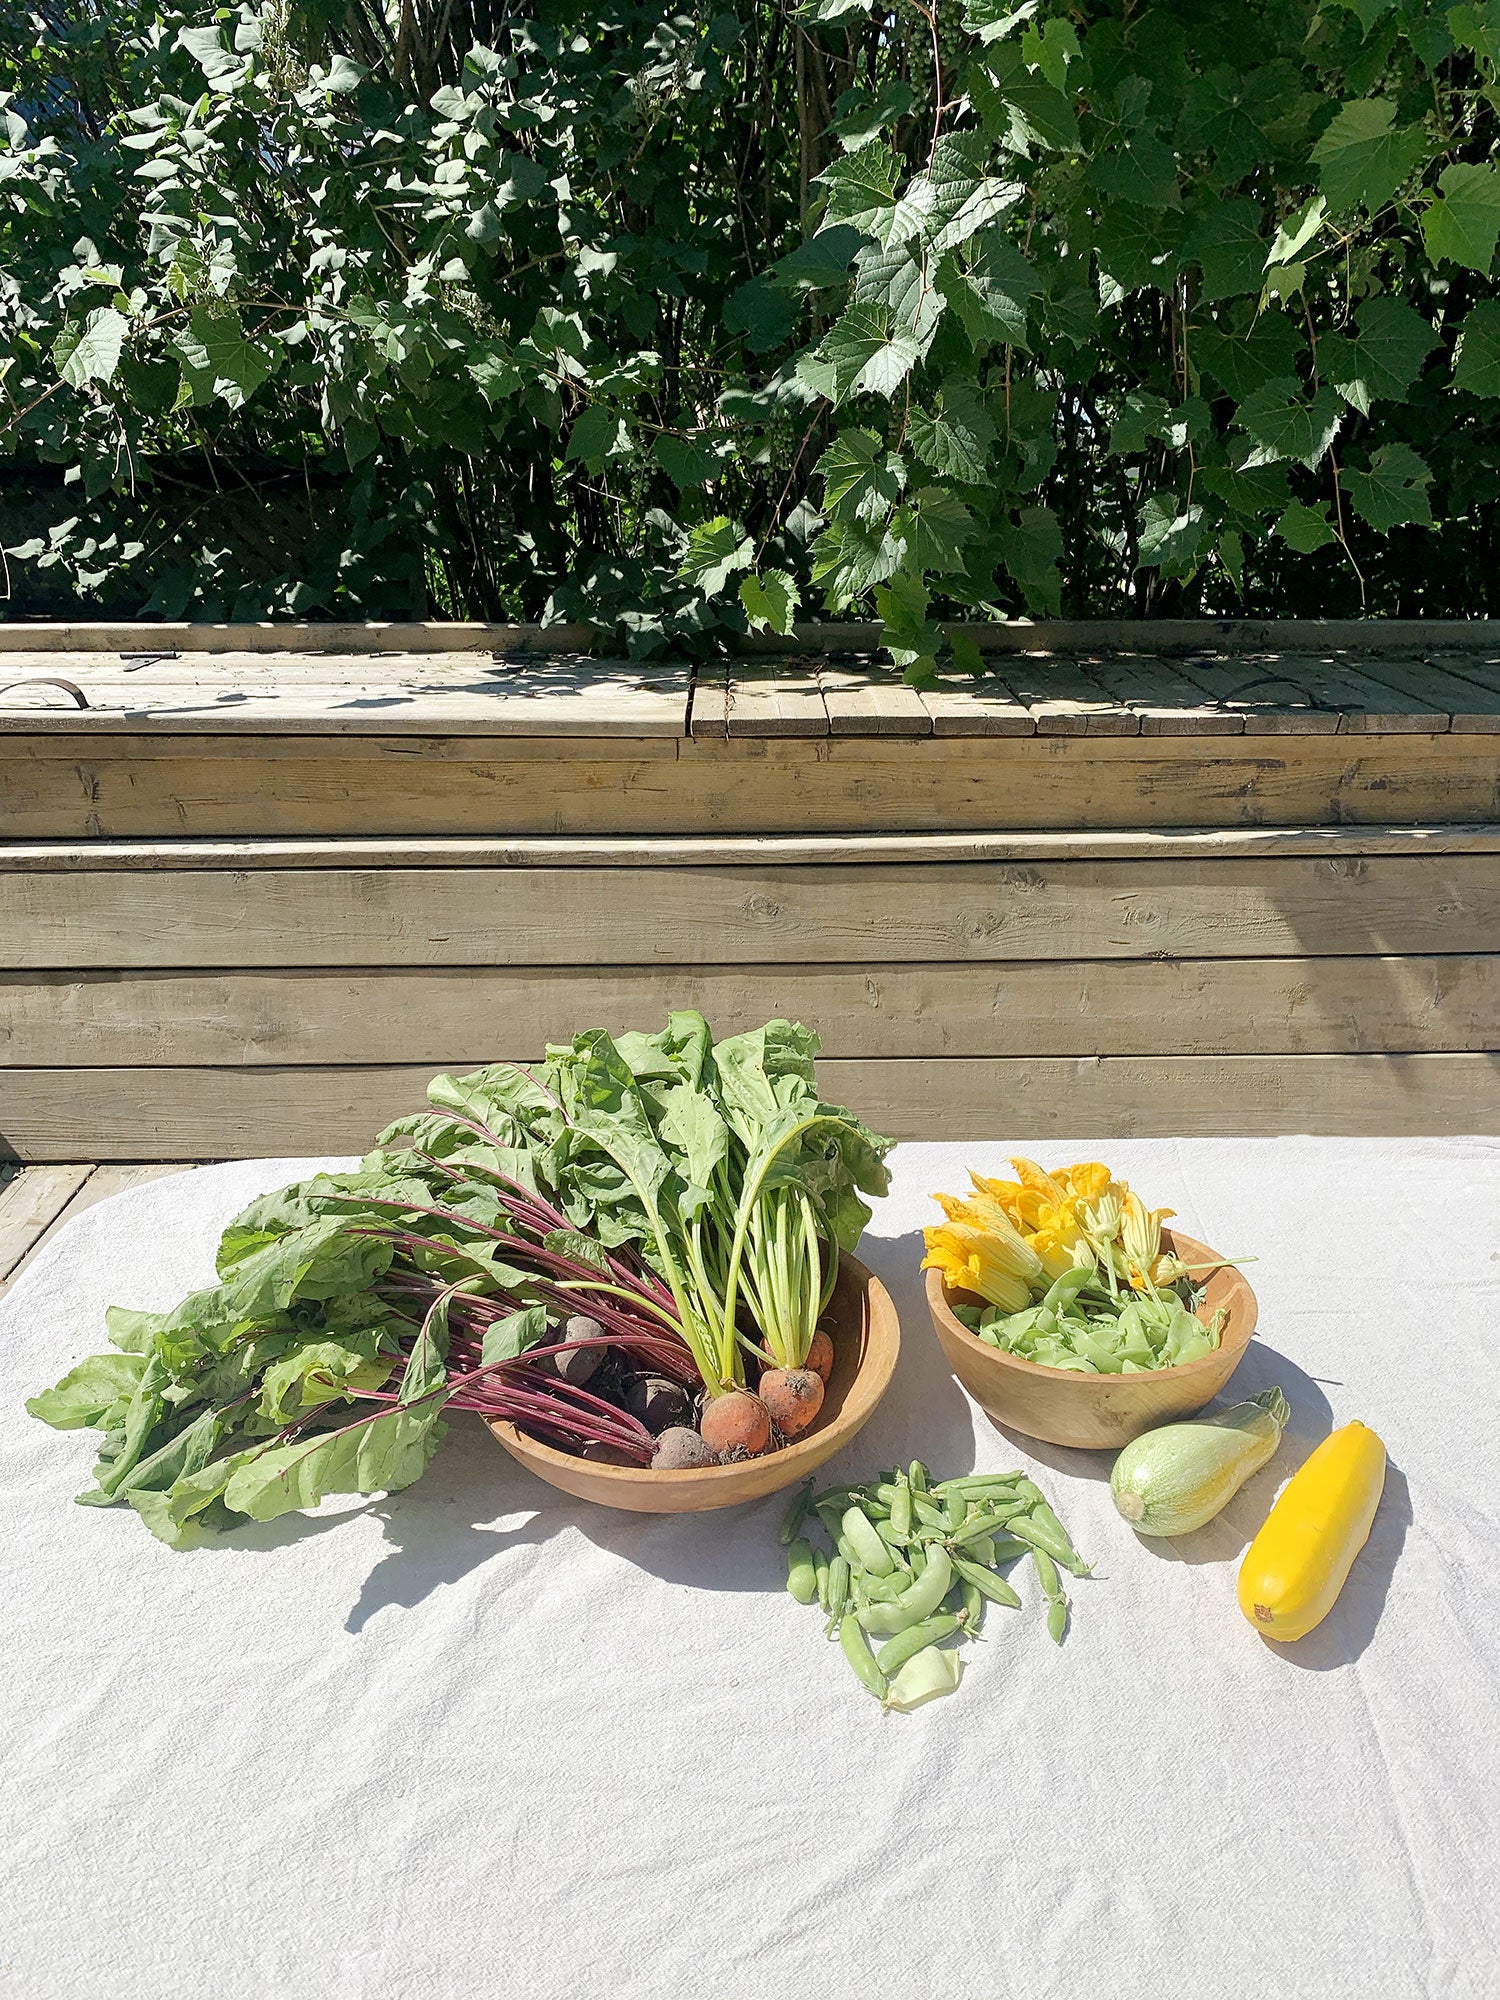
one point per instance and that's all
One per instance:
(912, 1565)
(594, 1253)
(1072, 1270)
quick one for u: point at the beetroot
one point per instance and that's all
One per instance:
(793, 1396)
(680, 1450)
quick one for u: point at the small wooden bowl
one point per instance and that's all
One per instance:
(1095, 1412)
(861, 1320)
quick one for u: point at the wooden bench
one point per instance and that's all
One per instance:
(257, 883)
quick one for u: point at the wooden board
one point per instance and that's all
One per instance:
(720, 916)
(400, 694)
(1191, 1007)
(741, 850)
(72, 787)
(102, 1182)
(183, 1114)
(866, 700)
(136, 640)
(29, 1205)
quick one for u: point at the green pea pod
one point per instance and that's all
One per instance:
(916, 1555)
(831, 1514)
(887, 1533)
(929, 1515)
(973, 1607)
(981, 1548)
(801, 1572)
(956, 1509)
(882, 1589)
(824, 1569)
(885, 1494)
(1007, 1548)
(901, 1513)
(796, 1514)
(896, 1652)
(1068, 1286)
(975, 1528)
(917, 1476)
(857, 1652)
(838, 1590)
(1050, 1539)
(927, 1674)
(859, 1531)
(978, 1482)
(995, 1588)
(1062, 1546)
(917, 1602)
(1052, 1590)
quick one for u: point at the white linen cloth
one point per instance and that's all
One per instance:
(482, 1740)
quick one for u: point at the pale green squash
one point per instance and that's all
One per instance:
(1170, 1481)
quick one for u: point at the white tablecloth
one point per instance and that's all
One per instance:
(481, 1740)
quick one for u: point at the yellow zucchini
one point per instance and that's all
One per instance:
(1295, 1568)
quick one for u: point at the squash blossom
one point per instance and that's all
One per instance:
(978, 1250)
(1144, 1266)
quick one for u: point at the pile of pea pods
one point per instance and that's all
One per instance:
(914, 1564)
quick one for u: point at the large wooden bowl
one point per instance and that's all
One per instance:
(1095, 1412)
(866, 1334)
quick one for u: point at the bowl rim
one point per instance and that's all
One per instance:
(938, 1301)
(642, 1477)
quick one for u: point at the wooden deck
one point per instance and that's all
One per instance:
(35, 1202)
(256, 883)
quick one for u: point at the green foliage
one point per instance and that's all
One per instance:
(686, 321)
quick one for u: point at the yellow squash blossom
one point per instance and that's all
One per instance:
(1019, 1203)
(971, 1261)
(1059, 1240)
(1140, 1238)
(1099, 1200)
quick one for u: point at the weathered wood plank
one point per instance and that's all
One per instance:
(766, 699)
(975, 705)
(1155, 634)
(1471, 707)
(203, 1114)
(1234, 908)
(134, 640)
(871, 701)
(102, 1182)
(153, 786)
(521, 695)
(1064, 698)
(29, 1205)
(1305, 1006)
(1164, 699)
(793, 850)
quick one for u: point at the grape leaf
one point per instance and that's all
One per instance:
(715, 550)
(1031, 547)
(92, 353)
(1462, 225)
(1229, 249)
(218, 359)
(770, 601)
(860, 477)
(955, 437)
(1280, 424)
(1363, 157)
(1393, 492)
(1477, 367)
(1385, 356)
(860, 189)
(1305, 529)
(861, 352)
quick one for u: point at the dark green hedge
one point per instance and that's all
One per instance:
(676, 320)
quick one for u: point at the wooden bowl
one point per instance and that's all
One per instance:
(1095, 1412)
(866, 1334)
